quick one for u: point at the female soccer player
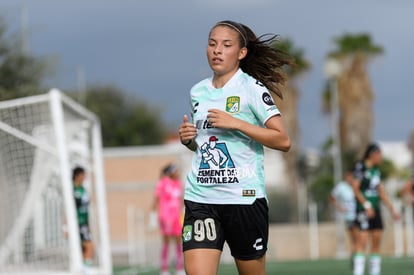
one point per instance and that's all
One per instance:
(343, 198)
(407, 191)
(168, 201)
(82, 208)
(233, 117)
(369, 191)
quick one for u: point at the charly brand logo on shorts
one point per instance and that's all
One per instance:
(233, 104)
(267, 99)
(258, 244)
(187, 233)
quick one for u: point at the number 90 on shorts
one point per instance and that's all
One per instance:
(201, 230)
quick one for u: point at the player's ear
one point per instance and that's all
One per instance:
(242, 53)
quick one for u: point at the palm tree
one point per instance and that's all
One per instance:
(354, 51)
(289, 107)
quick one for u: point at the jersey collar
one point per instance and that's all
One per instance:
(232, 81)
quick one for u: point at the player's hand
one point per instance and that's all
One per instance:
(220, 119)
(370, 212)
(395, 216)
(187, 131)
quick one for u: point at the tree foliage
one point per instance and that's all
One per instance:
(355, 93)
(350, 44)
(125, 121)
(21, 74)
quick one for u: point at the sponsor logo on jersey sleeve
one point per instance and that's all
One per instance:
(267, 99)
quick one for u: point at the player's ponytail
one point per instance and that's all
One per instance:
(264, 62)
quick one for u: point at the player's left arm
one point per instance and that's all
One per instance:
(274, 135)
(384, 197)
(336, 204)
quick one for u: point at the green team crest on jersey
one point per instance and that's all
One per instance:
(233, 104)
(187, 233)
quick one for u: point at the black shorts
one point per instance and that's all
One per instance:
(351, 224)
(364, 223)
(85, 233)
(245, 228)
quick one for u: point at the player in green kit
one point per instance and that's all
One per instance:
(82, 209)
(233, 118)
(369, 192)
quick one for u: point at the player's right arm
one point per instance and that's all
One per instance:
(187, 132)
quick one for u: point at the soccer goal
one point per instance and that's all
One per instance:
(41, 139)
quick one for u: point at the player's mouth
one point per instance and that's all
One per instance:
(216, 60)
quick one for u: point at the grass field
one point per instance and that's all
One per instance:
(390, 266)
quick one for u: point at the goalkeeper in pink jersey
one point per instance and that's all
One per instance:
(169, 203)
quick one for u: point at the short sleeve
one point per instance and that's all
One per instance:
(262, 104)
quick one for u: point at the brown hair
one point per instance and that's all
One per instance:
(77, 171)
(263, 62)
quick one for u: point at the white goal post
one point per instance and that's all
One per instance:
(42, 138)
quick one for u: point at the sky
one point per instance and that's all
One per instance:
(155, 50)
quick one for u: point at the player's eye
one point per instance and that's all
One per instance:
(211, 43)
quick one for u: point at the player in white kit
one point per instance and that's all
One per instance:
(343, 198)
(233, 117)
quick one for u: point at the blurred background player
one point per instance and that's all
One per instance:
(169, 203)
(369, 192)
(343, 198)
(407, 192)
(82, 208)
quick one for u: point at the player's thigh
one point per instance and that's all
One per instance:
(252, 267)
(202, 261)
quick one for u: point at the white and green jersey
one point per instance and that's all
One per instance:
(227, 166)
(344, 194)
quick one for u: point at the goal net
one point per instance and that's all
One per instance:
(42, 138)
